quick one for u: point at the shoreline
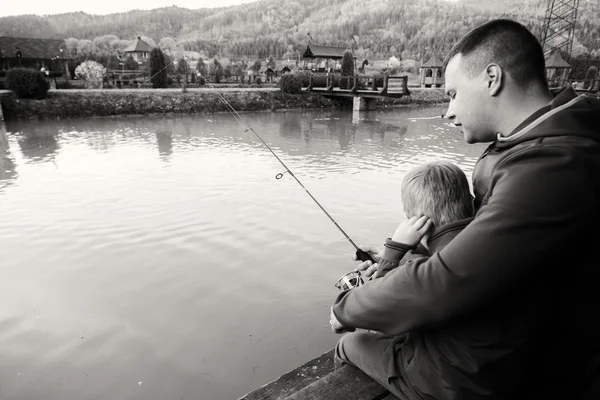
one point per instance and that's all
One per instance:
(95, 103)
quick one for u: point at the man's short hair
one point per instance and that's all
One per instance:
(507, 43)
(439, 190)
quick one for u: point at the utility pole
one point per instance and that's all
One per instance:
(558, 30)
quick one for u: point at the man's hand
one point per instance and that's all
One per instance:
(367, 268)
(412, 230)
(336, 326)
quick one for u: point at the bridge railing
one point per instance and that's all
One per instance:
(382, 84)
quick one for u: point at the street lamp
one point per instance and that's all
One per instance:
(62, 62)
(185, 71)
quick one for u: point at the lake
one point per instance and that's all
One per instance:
(159, 258)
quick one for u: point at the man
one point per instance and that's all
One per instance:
(525, 265)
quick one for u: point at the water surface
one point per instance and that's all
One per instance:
(159, 258)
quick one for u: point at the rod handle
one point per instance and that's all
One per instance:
(364, 256)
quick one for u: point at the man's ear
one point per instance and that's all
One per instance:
(495, 79)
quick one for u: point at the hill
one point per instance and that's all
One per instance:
(405, 28)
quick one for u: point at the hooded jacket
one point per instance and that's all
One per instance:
(525, 268)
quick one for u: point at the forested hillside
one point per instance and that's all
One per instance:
(380, 28)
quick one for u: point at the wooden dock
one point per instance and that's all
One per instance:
(362, 90)
(319, 380)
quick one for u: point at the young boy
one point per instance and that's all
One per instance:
(433, 363)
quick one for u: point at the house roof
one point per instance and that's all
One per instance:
(265, 69)
(282, 67)
(555, 60)
(32, 48)
(433, 62)
(138, 46)
(315, 51)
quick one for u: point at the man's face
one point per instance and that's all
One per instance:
(470, 105)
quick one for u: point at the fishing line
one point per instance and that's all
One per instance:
(360, 254)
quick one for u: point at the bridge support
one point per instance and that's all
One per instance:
(362, 104)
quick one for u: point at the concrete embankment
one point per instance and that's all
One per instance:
(82, 103)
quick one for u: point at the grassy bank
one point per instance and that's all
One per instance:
(98, 103)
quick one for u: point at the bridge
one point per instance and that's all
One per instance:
(364, 90)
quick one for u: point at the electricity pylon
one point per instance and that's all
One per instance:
(559, 25)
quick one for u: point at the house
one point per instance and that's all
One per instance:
(139, 50)
(268, 73)
(557, 69)
(431, 72)
(319, 58)
(33, 53)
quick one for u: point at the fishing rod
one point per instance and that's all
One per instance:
(360, 254)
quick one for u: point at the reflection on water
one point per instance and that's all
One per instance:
(8, 170)
(160, 258)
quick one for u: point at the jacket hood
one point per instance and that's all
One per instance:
(441, 236)
(568, 114)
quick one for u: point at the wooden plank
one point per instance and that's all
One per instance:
(295, 380)
(318, 379)
(344, 383)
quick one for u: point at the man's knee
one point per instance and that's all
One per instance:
(348, 345)
(368, 351)
(354, 347)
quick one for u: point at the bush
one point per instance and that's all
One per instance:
(290, 83)
(27, 83)
(91, 72)
(130, 63)
(258, 80)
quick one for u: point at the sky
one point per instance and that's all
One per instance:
(107, 6)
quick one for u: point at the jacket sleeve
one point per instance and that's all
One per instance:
(393, 252)
(537, 209)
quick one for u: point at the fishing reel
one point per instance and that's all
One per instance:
(349, 281)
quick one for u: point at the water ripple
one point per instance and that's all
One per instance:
(157, 250)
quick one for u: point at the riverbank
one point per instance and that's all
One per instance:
(83, 103)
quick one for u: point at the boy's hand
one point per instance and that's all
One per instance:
(412, 230)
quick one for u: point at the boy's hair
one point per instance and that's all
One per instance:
(439, 190)
(506, 43)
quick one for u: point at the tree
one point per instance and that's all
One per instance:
(168, 44)
(130, 63)
(218, 68)
(347, 69)
(202, 72)
(290, 54)
(271, 62)
(85, 49)
(182, 66)
(238, 71)
(158, 72)
(71, 47)
(255, 67)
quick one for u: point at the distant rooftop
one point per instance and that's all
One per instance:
(138, 46)
(555, 60)
(433, 62)
(32, 48)
(318, 51)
